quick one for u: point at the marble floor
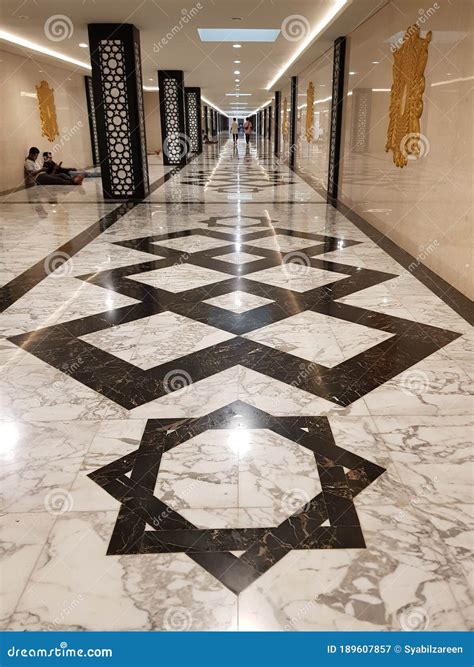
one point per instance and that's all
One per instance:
(225, 407)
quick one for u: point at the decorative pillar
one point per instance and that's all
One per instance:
(276, 144)
(92, 121)
(269, 133)
(336, 117)
(206, 121)
(294, 120)
(173, 119)
(193, 119)
(118, 103)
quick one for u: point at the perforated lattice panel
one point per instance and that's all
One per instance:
(116, 111)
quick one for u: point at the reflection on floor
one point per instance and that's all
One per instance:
(225, 408)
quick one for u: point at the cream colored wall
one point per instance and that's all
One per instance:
(426, 207)
(151, 102)
(313, 157)
(20, 122)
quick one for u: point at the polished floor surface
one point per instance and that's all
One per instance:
(226, 407)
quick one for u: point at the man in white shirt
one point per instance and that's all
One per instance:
(234, 128)
(36, 175)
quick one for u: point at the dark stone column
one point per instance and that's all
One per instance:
(193, 119)
(336, 117)
(276, 145)
(118, 102)
(269, 134)
(92, 121)
(173, 117)
(206, 120)
(294, 120)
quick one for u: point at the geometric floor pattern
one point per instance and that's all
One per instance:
(326, 521)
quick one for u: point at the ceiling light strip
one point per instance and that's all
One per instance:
(27, 44)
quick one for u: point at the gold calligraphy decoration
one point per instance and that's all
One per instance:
(47, 111)
(309, 113)
(406, 103)
(285, 118)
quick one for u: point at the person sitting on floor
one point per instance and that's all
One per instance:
(54, 169)
(37, 175)
(205, 138)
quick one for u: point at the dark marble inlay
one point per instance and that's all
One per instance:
(262, 547)
(130, 386)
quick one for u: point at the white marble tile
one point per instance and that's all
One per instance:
(283, 243)
(22, 537)
(238, 302)
(155, 340)
(76, 586)
(319, 338)
(40, 462)
(180, 277)
(192, 243)
(238, 257)
(56, 300)
(298, 277)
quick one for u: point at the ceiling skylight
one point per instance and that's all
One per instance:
(237, 34)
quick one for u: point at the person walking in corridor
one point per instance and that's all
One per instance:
(234, 128)
(247, 130)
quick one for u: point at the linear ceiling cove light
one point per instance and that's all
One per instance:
(213, 105)
(14, 39)
(328, 17)
(237, 34)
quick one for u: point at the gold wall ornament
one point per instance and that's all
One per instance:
(309, 113)
(47, 111)
(285, 119)
(406, 99)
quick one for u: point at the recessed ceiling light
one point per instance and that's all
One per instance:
(83, 45)
(236, 80)
(237, 46)
(150, 79)
(236, 71)
(336, 8)
(351, 73)
(237, 62)
(33, 46)
(375, 62)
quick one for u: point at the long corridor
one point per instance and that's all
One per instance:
(226, 407)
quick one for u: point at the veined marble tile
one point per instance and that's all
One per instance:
(75, 586)
(319, 338)
(194, 243)
(39, 463)
(296, 277)
(114, 438)
(180, 277)
(22, 537)
(157, 339)
(238, 257)
(282, 243)
(238, 302)
(280, 399)
(102, 256)
(56, 300)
